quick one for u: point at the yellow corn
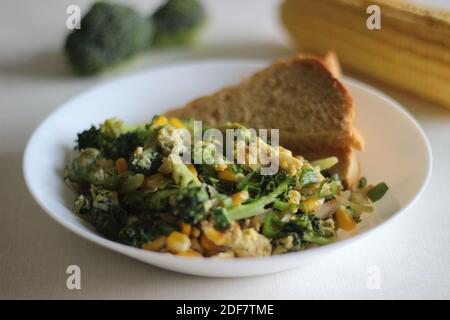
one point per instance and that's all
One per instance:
(217, 237)
(186, 228)
(313, 203)
(294, 197)
(176, 123)
(196, 232)
(208, 245)
(121, 165)
(178, 242)
(344, 220)
(192, 169)
(154, 182)
(227, 175)
(239, 197)
(190, 254)
(156, 244)
(160, 121)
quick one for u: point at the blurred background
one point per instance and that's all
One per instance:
(35, 78)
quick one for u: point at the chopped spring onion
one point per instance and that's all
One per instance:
(357, 208)
(325, 163)
(272, 225)
(362, 182)
(327, 188)
(377, 192)
(307, 177)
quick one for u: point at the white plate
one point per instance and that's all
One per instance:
(397, 152)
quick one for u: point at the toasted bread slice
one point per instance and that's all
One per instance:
(301, 97)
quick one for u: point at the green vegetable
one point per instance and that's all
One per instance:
(132, 183)
(326, 163)
(189, 204)
(328, 188)
(362, 182)
(112, 139)
(307, 177)
(260, 205)
(177, 22)
(221, 221)
(181, 174)
(377, 192)
(146, 162)
(272, 225)
(312, 229)
(109, 34)
(90, 167)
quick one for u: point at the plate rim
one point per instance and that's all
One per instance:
(136, 253)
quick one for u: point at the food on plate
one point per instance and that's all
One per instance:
(303, 98)
(408, 51)
(134, 188)
(111, 33)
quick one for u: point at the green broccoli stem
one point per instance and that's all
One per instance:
(257, 207)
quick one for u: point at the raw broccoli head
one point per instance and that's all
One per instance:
(177, 22)
(146, 162)
(109, 33)
(190, 204)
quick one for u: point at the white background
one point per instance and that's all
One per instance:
(412, 254)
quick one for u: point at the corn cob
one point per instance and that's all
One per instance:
(411, 51)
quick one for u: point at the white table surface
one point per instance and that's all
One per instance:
(412, 254)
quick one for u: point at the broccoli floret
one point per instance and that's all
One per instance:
(190, 204)
(181, 174)
(102, 208)
(112, 139)
(146, 162)
(109, 34)
(311, 229)
(177, 22)
(279, 185)
(91, 167)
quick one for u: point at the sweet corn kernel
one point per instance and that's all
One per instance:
(190, 254)
(239, 197)
(344, 220)
(178, 242)
(156, 244)
(216, 237)
(186, 228)
(196, 232)
(208, 245)
(294, 197)
(192, 169)
(227, 175)
(121, 165)
(160, 121)
(177, 123)
(313, 203)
